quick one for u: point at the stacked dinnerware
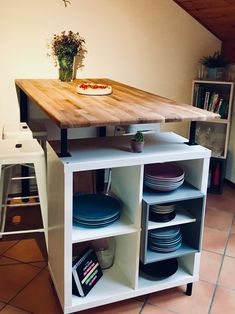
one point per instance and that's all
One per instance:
(95, 210)
(162, 213)
(159, 270)
(165, 240)
(163, 177)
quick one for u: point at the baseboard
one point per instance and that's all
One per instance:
(230, 183)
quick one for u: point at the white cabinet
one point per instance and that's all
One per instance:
(123, 279)
(215, 96)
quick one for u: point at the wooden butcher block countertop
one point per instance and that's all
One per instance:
(125, 105)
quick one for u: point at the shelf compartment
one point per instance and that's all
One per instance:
(213, 136)
(190, 226)
(182, 217)
(186, 191)
(113, 283)
(187, 211)
(120, 279)
(206, 94)
(186, 272)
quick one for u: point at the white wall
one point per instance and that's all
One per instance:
(151, 44)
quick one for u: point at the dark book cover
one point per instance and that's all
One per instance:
(86, 272)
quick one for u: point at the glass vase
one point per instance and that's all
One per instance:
(66, 64)
(105, 251)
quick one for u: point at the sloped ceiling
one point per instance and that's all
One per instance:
(218, 16)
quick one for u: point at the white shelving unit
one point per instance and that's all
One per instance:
(214, 134)
(123, 279)
(215, 96)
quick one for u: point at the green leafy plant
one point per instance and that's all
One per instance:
(139, 137)
(216, 60)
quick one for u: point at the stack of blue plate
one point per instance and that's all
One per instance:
(162, 213)
(165, 240)
(163, 177)
(95, 210)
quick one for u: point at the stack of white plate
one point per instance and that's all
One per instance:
(95, 210)
(162, 213)
(163, 177)
(165, 240)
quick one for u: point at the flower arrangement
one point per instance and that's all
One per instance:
(66, 44)
(64, 47)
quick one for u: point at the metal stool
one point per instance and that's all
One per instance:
(28, 153)
(17, 131)
(24, 131)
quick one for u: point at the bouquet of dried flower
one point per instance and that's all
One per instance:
(63, 48)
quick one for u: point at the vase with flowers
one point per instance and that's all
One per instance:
(64, 48)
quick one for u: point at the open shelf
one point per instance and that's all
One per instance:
(186, 191)
(182, 217)
(121, 226)
(152, 256)
(110, 287)
(182, 276)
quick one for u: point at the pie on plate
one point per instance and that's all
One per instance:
(94, 89)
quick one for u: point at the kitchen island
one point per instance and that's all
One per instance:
(126, 105)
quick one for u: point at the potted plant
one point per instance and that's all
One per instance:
(137, 142)
(64, 47)
(215, 64)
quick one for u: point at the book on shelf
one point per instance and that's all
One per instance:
(86, 272)
(214, 98)
(223, 109)
(206, 100)
(199, 95)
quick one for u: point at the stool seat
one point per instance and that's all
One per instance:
(30, 154)
(17, 151)
(17, 130)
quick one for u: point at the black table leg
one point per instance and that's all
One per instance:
(64, 143)
(192, 134)
(189, 289)
(100, 173)
(23, 101)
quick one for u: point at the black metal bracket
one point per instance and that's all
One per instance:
(192, 134)
(23, 101)
(64, 144)
(100, 174)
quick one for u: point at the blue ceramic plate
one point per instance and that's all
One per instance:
(95, 207)
(162, 233)
(96, 224)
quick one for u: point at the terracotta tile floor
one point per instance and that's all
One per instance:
(25, 285)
